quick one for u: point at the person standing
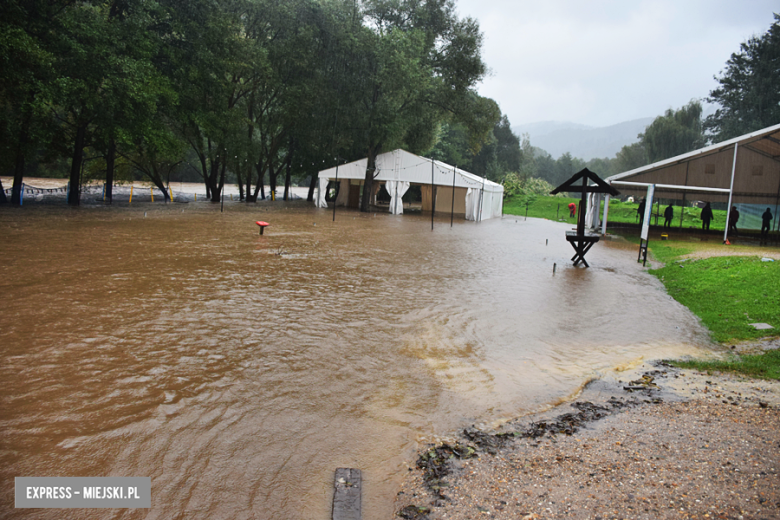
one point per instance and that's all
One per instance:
(668, 216)
(733, 219)
(572, 209)
(766, 223)
(706, 217)
(641, 211)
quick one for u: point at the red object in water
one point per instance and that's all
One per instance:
(262, 225)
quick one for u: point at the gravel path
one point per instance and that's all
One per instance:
(700, 446)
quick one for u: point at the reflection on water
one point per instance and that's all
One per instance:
(239, 371)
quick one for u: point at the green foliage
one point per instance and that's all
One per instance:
(526, 190)
(748, 92)
(674, 133)
(727, 293)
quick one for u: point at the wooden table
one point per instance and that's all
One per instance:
(581, 245)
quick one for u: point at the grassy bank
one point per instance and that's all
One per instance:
(556, 208)
(728, 293)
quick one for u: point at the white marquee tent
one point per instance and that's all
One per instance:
(454, 190)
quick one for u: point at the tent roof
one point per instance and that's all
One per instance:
(707, 171)
(405, 166)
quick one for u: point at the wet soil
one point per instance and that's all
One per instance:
(669, 444)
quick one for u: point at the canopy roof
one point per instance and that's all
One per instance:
(712, 174)
(404, 166)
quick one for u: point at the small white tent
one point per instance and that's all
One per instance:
(455, 190)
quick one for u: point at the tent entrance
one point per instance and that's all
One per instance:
(353, 201)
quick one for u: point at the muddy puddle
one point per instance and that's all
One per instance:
(238, 371)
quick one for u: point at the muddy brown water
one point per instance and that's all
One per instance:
(238, 371)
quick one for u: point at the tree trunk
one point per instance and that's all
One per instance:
(212, 180)
(260, 186)
(222, 177)
(312, 185)
(288, 178)
(249, 182)
(110, 170)
(157, 181)
(3, 198)
(272, 180)
(74, 196)
(16, 192)
(288, 173)
(368, 183)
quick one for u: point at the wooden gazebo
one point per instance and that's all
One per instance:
(579, 240)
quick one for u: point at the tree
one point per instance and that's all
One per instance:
(412, 64)
(674, 133)
(26, 76)
(630, 157)
(749, 90)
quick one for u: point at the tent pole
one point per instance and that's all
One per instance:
(336, 191)
(433, 196)
(777, 202)
(731, 193)
(682, 210)
(452, 207)
(481, 198)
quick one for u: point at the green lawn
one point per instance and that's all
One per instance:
(556, 208)
(727, 293)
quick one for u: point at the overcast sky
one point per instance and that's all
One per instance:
(602, 62)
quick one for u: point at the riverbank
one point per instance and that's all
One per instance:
(667, 443)
(687, 445)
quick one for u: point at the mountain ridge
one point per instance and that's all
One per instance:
(582, 141)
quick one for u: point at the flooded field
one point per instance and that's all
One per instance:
(238, 371)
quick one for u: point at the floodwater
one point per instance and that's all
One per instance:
(239, 371)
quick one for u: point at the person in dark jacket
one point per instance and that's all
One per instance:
(766, 223)
(668, 216)
(641, 211)
(706, 217)
(733, 219)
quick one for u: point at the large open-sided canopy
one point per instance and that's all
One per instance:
(455, 190)
(744, 170)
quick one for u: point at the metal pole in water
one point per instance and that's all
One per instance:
(336, 190)
(554, 266)
(452, 208)
(433, 196)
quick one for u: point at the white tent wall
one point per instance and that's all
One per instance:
(343, 196)
(425, 191)
(396, 190)
(400, 165)
(322, 189)
(497, 208)
(444, 200)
